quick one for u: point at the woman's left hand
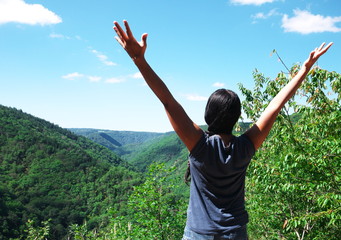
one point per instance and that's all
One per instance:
(135, 49)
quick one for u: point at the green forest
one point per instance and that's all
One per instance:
(50, 174)
(60, 183)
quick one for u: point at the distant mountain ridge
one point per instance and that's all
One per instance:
(121, 142)
(122, 137)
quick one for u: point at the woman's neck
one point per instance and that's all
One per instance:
(226, 138)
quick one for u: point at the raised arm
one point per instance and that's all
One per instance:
(260, 130)
(186, 129)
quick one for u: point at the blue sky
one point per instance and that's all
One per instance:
(59, 60)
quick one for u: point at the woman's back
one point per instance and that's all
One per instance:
(217, 184)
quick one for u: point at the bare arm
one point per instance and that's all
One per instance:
(186, 129)
(260, 130)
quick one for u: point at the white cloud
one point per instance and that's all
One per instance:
(218, 84)
(73, 76)
(20, 12)
(57, 35)
(121, 79)
(251, 2)
(305, 22)
(137, 75)
(261, 15)
(94, 78)
(115, 80)
(103, 58)
(62, 36)
(76, 75)
(195, 97)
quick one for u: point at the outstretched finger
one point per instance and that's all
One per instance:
(324, 50)
(327, 47)
(119, 41)
(321, 46)
(129, 33)
(117, 32)
(120, 31)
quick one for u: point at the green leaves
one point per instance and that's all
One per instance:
(153, 211)
(37, 233)
(293, 186)
(158, 212)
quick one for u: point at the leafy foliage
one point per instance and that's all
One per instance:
(37, 233)
(294, 180)
(47, 172)
(154, 211)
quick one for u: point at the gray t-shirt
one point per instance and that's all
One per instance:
(217, 192)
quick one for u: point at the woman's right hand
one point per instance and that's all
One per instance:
(134, 48)
(314, 55)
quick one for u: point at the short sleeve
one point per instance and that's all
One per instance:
(199, 146)
(247, 145)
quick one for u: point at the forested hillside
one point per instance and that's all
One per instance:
(47, 172)
(141, 149)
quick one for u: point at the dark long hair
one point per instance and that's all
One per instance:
(222, 112)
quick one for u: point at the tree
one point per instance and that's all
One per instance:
(159, 213)
(153, 211)
(293, 184)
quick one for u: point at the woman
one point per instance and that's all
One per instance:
(218, 160)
